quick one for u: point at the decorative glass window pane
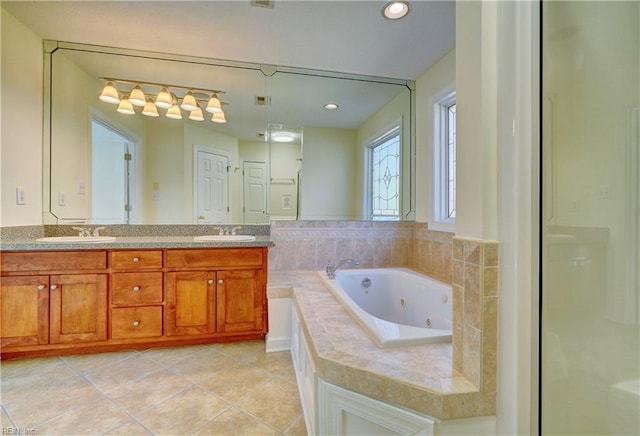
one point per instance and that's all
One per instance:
(451, 161)
(385, 178)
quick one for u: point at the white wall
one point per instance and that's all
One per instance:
(21, 109)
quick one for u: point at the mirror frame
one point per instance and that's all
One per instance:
(268, 70)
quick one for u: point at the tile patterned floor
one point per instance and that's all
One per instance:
(218, 389)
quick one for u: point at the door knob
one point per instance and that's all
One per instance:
(210, 281)
(136, 288)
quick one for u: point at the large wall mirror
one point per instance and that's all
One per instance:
(280, 154)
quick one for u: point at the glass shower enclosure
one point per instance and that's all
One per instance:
(590, 225)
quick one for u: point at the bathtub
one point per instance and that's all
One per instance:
(395, 306)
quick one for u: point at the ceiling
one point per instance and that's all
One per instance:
(344, 36)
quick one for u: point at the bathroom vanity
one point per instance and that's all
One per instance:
(78, 300)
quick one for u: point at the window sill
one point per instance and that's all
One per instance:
(442, 226)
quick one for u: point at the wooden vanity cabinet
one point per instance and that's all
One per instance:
(220, 291)
(62, 302)
(136, 294)
(53, 298)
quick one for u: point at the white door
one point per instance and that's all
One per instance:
(255, 192)
(212, 187)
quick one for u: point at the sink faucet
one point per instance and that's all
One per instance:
(87, 231)
(82, 231)
(331, 269)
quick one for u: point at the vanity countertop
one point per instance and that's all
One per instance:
(130, 242)
(419, 377)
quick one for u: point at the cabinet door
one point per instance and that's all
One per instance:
(25, 310)
(190, 299)
(240, 301)
(78, 308)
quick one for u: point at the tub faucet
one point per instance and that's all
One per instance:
(331, 269)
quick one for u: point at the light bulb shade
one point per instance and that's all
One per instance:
(214, 105)
(109, 94)
(137, 97)
(164, 99)
(189, 102)
(196, 115)
(219, 118)
(174, 112)
(150, 109)
(125, 107)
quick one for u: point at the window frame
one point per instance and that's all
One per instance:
(442, 220)
(392, 130)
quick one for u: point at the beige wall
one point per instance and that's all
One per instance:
(329, 148)
(21, 137)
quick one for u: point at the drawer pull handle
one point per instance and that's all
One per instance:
(220, 281)
(136, 259)
(136, 288)
(136, 323)
(41, 287)
(210, 281)
(53, 287)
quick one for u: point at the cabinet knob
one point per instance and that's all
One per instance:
(41, 287)
(136, 288)
(53, 287)
(220, 281)
(136, 323)
(136, 259)
(210, 281)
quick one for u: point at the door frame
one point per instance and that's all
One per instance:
(135, 168)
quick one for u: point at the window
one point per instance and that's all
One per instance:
(445, 159)
(384, 176)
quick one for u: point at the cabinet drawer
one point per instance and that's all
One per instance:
(136, 288)
(136, 322)
(214, 258)
(135, 259)
(53, 260)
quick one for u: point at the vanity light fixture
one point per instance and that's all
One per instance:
(190, 99)
(150, 109)
(395, 10)
(110, 94)
(137, 97)
(213, 105)
(125, 106)
(219, 118)
(189, 102)
(331, 106)
(164, 99)
(196, 114)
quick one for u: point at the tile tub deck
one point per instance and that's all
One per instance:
(418, 377)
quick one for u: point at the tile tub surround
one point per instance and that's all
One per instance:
(422, 378)
(475, 311)
(309, 245)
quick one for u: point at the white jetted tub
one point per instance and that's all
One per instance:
(395, 306)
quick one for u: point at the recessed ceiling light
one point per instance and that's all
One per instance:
(395, 10)
(331, 106)
(282, 137)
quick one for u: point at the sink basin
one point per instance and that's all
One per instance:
(77, 239)
(224, 238)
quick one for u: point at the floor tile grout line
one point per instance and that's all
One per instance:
(106, 397)
(243, 357)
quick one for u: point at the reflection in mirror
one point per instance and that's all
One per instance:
(280, 155)
(332, 123)
(112, 167)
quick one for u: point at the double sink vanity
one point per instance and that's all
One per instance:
(78, 294)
